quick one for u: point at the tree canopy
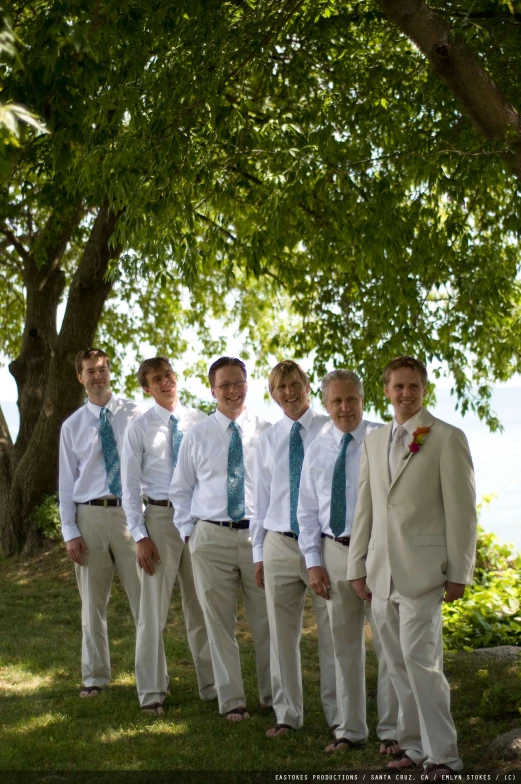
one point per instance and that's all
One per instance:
(297, 169)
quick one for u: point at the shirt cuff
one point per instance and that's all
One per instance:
(313, 558)
(139, 532)
(70, 532)
(186, 530)
(258, 554)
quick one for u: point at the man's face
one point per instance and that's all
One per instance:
(229, 389)
(292, 395)
(406, 391)
(162, 386)
(95, 376)
(344, 405)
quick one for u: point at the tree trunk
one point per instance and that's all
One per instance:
(490, 112)
(35, 467)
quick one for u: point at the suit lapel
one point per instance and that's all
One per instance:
(425, 420)
(386, 433)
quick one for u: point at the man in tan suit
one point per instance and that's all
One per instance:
(414, 539)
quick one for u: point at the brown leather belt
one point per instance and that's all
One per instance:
(158, 502)
(340, 539)
(103, 502)
(240, 525)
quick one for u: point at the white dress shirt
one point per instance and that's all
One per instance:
(271, 478)
(199, 488)
(314, 503)
(147, 460)
(83, 475)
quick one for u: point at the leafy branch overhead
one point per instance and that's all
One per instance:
(297, 170)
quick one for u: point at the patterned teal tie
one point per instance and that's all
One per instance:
(337, 519)
(177, 437)
(110, 453)
(296, 458)
(236, 503)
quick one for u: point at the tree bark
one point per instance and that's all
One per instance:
(488, 109)
(35, 469)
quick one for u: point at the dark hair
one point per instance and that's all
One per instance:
(405, 362)
(149, 365)
(225, 362)
(89, 353)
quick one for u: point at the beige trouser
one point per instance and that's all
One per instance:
(411, 636)
(222, 559)
(110, 545)
(347, 615)
(286, 580)
(156, 592)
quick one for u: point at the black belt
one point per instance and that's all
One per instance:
(240, 525)
(157, 502)
(340, 539)
(104, 502)
(289, 534)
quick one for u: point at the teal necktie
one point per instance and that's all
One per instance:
(177, 437)
(337, 519)
(110, 453)
(236, 503)
(296, 458)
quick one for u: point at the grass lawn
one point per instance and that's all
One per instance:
(45, 726)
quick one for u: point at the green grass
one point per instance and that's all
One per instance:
(45, 726)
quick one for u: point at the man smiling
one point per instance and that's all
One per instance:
(212, 493)
(149, 457)
(279, 566)
(326, 508)
(93, 522)
(414, 538)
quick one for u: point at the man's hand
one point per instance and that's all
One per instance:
(75, 547)
(319, 581)
(361, 589)
(453, 591)
(259, 573)
(146, 553)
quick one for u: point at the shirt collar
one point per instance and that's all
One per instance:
(112, 406)
(411, 424)
(164, 414)
(305, 420)
(224, 421)
(358, 433)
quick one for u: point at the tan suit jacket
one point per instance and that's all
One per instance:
(421, 529)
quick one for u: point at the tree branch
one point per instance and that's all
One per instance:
(488, 109)
(15, 242)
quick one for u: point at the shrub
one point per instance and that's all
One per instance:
(46, 517)
(489, 614)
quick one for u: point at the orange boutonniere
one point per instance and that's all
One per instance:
(418, 437)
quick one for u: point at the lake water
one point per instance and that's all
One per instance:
(497, 456)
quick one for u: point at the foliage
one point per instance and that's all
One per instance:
(293, 169)
(489, 614)
(46, 518)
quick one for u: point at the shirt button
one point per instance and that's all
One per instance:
(391, 506)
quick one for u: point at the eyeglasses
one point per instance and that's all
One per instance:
(239, 386)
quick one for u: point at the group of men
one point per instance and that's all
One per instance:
(377, 522)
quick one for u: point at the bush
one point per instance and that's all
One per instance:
(46, 518)
(489, 614)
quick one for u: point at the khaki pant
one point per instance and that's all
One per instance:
(222, 560)
(411, 636)
(347, 614)
(110, 546)
(286, 580)
(156, 593)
